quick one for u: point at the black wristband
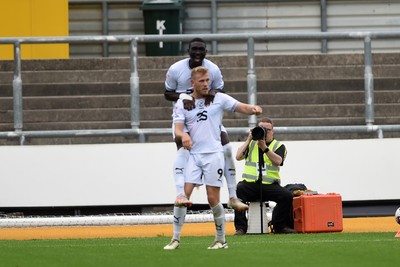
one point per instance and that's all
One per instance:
(266, 150)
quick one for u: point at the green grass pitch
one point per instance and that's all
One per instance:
(321, 249)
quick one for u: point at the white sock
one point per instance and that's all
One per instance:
(230, 170)
(219, 219)
(182, 156)
(179, 219)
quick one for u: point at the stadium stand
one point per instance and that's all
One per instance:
(295, 90)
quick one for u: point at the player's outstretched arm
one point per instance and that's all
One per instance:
(248, 109)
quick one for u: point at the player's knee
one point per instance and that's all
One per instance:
(212, 200)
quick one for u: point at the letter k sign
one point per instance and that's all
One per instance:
(160, 27)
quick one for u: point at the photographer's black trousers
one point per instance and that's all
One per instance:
(282, 213)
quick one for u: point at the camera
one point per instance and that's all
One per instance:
(258, 133)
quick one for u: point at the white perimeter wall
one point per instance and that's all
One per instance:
(141, 174)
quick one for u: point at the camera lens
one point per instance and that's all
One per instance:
(258, 133)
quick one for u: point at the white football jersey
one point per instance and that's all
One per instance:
(203, 123)
(178, 78)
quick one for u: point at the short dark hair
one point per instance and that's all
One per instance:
(197, 39)
(267, 120)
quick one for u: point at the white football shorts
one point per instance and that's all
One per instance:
(205, 168)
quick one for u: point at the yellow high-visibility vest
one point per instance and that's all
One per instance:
(270, 174)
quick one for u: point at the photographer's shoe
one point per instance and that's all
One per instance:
(284, 230)
(240, 232)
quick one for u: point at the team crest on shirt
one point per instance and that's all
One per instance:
(200, 105)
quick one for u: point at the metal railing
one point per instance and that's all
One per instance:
(250, 38)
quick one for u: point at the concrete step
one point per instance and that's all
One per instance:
(233, 68)
(168, 138)
(164, 113)
(228, 122)
(84, 102)
(149, 101)
(157, 87)
(222, 61)
(319, 97)
(229, 74)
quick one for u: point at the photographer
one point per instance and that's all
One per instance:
(261, 140)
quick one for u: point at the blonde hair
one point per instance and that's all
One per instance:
(199, 70)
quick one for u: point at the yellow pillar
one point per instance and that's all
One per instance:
(26, 18)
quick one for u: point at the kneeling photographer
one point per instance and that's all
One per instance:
(264, 153)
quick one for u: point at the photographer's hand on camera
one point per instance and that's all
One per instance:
(242, 150)
(249, 137)
(262, 145)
